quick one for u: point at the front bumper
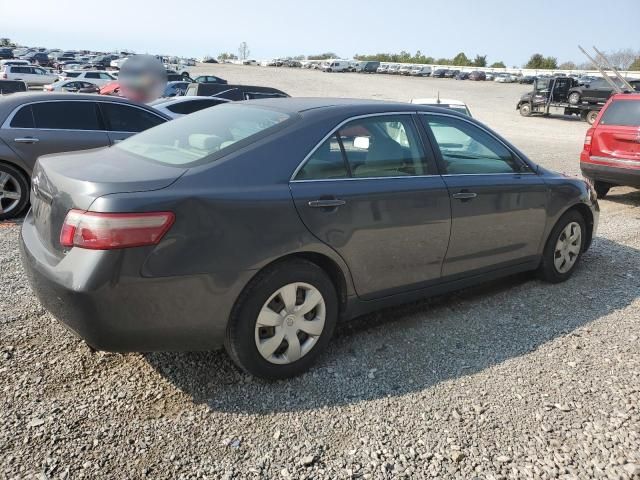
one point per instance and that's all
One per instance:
(617, 176)
(101, 296)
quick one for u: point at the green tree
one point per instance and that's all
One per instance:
(498, 65)
(480, 61)
(6, 42)
(323, 56)
(461, 60)
(568, 66)
(227, 56)
(635, 66)
(537, 61)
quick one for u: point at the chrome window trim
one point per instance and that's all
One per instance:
(332, 132)
(6, 125)
(488, 132)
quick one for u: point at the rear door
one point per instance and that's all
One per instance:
(617, 135)
(372, 194)
(54, 126)
(498, 205)
(122, 121)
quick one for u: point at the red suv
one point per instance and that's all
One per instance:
(611, 153)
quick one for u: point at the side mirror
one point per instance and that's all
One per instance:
(361, 142)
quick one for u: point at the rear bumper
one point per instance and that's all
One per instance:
(606, 173)
(112, 307)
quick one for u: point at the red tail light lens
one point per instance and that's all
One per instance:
(587, 140)
(108, 231)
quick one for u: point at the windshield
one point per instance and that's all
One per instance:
(190, 139)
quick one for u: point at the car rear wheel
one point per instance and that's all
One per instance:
(283, 320)
(564, 248)
(591, 117)
(574, 98)
(14, 191)
(525, 109)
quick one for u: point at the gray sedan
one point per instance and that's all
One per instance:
(259, 224)
(34, 124)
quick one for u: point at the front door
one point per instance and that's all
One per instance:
(369, 192)
(498, 204)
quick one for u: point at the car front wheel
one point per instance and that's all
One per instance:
(564, 248)
(574, 98)
(283, 320)
(525, 109)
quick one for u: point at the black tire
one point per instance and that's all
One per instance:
(583, 115)
(601, 188)
(525, 109)
(17, 181)
(574, 98)
(240, 341)
(547, 270)
(591, 116)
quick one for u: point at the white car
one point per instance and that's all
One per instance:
(405, 69)
(178, 106)
(455, 105)
(393, 69)
(504, 78)
(29, 74)
(97, 77)
(336, 66)
(420, 71)
(72, 86)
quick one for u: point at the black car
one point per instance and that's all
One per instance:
(233, 92)
(12, 86)
(39, 58)
(597, 91)
(527, 79)
(477, 75)
(235, 225)
(462, 76)
(6, 53)
(368, 67)
(440, 73)
(451, 73)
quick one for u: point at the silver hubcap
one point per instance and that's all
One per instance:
(290, 323)
(10, 193)
(568, 247)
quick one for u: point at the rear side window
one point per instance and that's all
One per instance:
(205, 135)
(66, 115)
(192, 106)
(624, 113)
(325, 163)
(72, 74)
(123, 118)
(23, 118)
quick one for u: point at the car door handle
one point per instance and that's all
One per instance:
(464, 195)
(326, 203)
(26, 140)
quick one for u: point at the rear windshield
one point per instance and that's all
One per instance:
(201, 137)
(623, 113)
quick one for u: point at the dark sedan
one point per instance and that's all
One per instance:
(259, 224)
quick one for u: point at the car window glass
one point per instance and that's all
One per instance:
(326, 162)
(123, 118)
(192, 106)
(467, 149)
(23, 118)
(66, 115)
(92, 75)
(624, 113)
(382, 146)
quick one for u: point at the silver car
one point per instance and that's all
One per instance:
(35, 124)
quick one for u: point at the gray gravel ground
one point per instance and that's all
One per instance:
(516, 379)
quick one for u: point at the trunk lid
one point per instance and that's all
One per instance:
(64, 181)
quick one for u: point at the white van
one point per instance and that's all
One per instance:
(420, 71)
(336, 66)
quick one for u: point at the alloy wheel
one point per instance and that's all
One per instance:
(568, 247)
(290, 323)
(10, 192)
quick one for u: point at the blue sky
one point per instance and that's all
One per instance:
(503, 30)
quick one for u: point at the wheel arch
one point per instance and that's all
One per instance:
(587, 214)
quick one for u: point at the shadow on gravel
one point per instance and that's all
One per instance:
(631, 198)
(411, 348)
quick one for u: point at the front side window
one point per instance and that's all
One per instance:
(372, 147)
(66, 115)
(624, 113)
(206, 135)
(469, 150)
(124, 118)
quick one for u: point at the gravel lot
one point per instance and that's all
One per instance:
(516, 379)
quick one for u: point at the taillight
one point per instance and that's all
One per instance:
(107, 231)
(587, 140)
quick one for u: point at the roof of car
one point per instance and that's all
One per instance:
(302, 104)
(14, 100)
(436, 101)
